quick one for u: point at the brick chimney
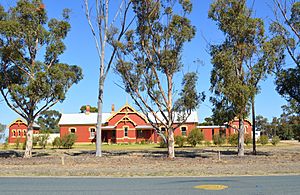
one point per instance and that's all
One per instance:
(112, 108)
(87, 109)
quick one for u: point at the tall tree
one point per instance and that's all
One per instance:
(239, 63)
(286, 29)
(48, 121)
(150, 57)
(103, 34)
(30, 84)
(2, 130)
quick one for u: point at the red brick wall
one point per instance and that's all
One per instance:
(18, 127)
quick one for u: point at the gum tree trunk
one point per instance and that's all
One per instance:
(29, 138)
(241, 135)
(171, 150)
(253, 127)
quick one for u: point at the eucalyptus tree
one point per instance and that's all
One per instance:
(48, 121)
(286, 30)
(104, 33)
(150, 57)
(32, 79)
(239, 63)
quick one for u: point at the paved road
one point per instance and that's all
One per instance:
(181, 185)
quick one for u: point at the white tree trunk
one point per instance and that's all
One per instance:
(171, 150)
(241, 138)
(29, 137)
(99, 119)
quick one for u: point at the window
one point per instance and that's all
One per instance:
(163, 129)
(183, 131)
(24, 133)
(19, 132)
(140, 134)
(113, 133)
(13, 133)
(92, 132)
(72, 130)
(125, 131)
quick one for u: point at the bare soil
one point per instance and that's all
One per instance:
(270, 160)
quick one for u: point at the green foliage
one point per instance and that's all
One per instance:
(56, 142)
(263, 140)
(195, 137)
(92, 109)
(2, 130)
(275, 140)
(207, 143)
(248, 139)
(68, 140)
(219, 140)
(48, 121)
(5, 144)
(286, 37)
(35, 140)
(233, 139)
(180, 140)
(32, 84)
(150, 57)
(17, 143)
(163, 144)
(42, 140)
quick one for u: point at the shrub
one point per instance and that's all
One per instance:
(5, 145)
(248, 139)
(275, 140)
(42, 140)
(233, 139)
(35, 140)
(179, 140)
(68, 140)
(219, 140)
(263, 140)
(195, 137)
(143, 142)
(163, 144)
(56, 142)
(207, 143)
(17, 143)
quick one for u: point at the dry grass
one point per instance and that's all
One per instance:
(149, 160)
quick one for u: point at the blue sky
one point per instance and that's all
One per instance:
(81, 51)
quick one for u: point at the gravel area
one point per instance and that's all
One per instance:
(270, 160)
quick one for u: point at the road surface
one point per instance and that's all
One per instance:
(254, 185)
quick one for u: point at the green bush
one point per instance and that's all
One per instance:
(233, 139)
(263, 140)
(195, 137)
(248, 139)
(42, 140)
(17, 143)
(5, 145)
(35, 140)
(179, 140)
(56, 142)
(68, 140)
(219, 140)
(163, 144)
(275, 140)
(207, 143)
(143, 142)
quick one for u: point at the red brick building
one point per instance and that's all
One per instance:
(18, 129)
(123, 126)
(210, 131)
(129, 126)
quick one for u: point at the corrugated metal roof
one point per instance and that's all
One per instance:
(193, 118)
(81, 118)
(210, 127)
(91, 118)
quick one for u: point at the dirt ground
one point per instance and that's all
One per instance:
(271, 160)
